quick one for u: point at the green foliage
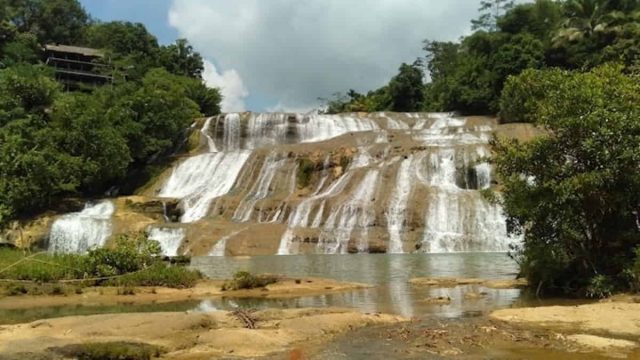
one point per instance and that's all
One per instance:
(160, 274)
(131, 253)
(600, 287)
(133, 260)
(79, 128)
(52, 21)
(406, 89)
(468, 76)
(180, 59)
(577, 190)
(121, 38)
(55, 144)
(522, 95)
(110, 351)
(306, 167)
(244, 280)
(632, 272)
(490, 12)
(154, 116)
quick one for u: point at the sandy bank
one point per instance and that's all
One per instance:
(447, 282)
(192, 335)
(96, 296)
(614, 318)
(611, 327)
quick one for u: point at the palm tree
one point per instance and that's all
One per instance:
(585, 18)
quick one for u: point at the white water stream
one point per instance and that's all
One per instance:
(411, 179)
(81, 231)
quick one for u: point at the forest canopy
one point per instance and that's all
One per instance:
(468, 76)
(56, 141)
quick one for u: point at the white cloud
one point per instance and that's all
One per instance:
(293, 51)
(230, 83)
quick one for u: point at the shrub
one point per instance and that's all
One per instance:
(111, 351)
(132, 252)
(161, 274)
(305, 170)
(15, 289)
(126, 290)
(522, 94)
(632, 272)
(244, 280)
(574, 193)
(600, 287)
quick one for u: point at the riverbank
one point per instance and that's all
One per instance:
(596, 331)
(450, 282)
(97, 296)
(612, 326)
(191, 335)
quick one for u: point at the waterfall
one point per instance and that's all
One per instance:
(81, 231)
(260, 189)
(300, 216)
(200, 179)
(389, 182)
(169, 239)
(206, 128)
(232, 128)
(460, 219)
(357, 211)
(220, 248)
(398, 206)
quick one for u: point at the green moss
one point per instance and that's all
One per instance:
(244, 280)
(345, 161)
(111, 351)
(306, 167)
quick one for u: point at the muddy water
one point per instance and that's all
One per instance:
(389, 275)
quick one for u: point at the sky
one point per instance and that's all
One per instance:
(282, 55)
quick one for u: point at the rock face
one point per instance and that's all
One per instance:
(283, 183)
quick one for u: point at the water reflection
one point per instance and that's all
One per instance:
(390, 275)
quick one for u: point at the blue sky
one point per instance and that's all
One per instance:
(269, 55)
(152, 13)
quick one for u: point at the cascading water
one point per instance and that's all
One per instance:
(220, 247)
(169, 239)
(202, 178)
(357, 211)
(205, 131)
(82, 231)
(260, 189)
(398, 206)
(379, 182)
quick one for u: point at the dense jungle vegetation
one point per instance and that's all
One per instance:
(571, 67)
(55, 142)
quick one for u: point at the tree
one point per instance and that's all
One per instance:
(208, 99)
(121, 37)
(181, 59)
(80, 129)
(490, 12)
(26, 90)
(575, 193)
(153, 116)
(539, 19)
(406, 90)
(52, 21)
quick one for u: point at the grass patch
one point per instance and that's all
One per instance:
(110, 351)
(133, 261)
(243, 280)
(161, 274)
